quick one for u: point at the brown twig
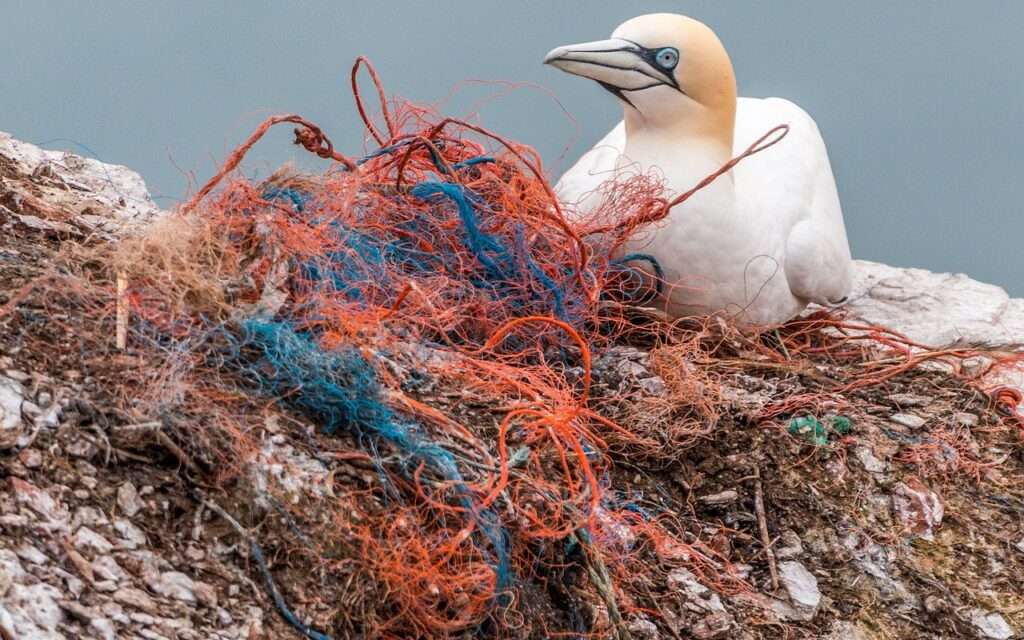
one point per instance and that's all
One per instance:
(762, 523)
(155, 429)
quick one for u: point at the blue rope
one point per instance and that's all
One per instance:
(538, 273)
(275, 595)
(659, 274)
(296, 197)
(340, 389)
(477, 241)
(495, 258)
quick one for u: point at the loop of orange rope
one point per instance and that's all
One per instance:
(310, 136)
(381, 96)
(507, 328)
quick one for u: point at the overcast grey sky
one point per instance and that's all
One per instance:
(921, 103)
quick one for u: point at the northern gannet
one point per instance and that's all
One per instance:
(762, 241)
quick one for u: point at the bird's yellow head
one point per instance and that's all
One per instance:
(669, 71)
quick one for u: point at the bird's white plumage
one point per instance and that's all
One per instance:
(759, 244)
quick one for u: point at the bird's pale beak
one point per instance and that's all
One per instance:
(618, 65)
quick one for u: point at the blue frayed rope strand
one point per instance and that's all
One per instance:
(339, 388)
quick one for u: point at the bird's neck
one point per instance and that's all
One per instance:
(697, 127)
(684, 153)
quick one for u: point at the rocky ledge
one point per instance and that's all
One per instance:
(95, 549)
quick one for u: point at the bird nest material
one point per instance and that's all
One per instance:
(443, 261)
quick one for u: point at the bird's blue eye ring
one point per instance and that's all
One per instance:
(667, 58)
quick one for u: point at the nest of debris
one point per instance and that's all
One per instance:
(421, 403)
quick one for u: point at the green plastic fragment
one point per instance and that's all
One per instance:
(815, 432)
(842, 425)
(809, 428)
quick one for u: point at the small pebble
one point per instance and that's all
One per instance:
(966, 419)
(725, 497)
(908, 420)
(31, 458)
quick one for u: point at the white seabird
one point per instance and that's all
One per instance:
(762, 241)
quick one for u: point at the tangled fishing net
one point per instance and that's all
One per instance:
(442, 255)
(440, 259)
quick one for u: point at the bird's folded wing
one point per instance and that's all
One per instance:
(795, 179)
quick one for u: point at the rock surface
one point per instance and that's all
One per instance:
(936, 309)
(11, 399)
(70, 193)
(93, 545)
(75, 557)
(991, 625)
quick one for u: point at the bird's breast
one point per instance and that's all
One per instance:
(716, 255)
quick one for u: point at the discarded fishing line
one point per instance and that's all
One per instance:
(357, 299)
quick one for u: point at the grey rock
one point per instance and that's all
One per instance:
(128, 499)
(878, 562)
(37, 604)
(81, 448)
(131, 536)
(136, 599)
(725, 497)
(11, 570)
(31, 554)
(115, 612)
(641, 628)
(224, 617)
(908, 420)
(791, 547)
(176, 585)
(935, 309)
(109, 197)
(103, 628)
(39, 501)
(653, 386)
(918, 508)
(206, 594)
(105, 586)
(743, 570)
(14, 521)
(73, 584)
(17, 375)
(31, 458)
(966, 419)
(990, 625)
(7, 625)
(281, 468)
(800, 584)
(713, 626)
(88, 516)
(78, 610)
(698, 596)
(107, 568)
(50, 417)
(11, 397)
(869, 461)
(88, 540)
(142, 618)
(909, 400)
(845, 630)
(30, 410)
